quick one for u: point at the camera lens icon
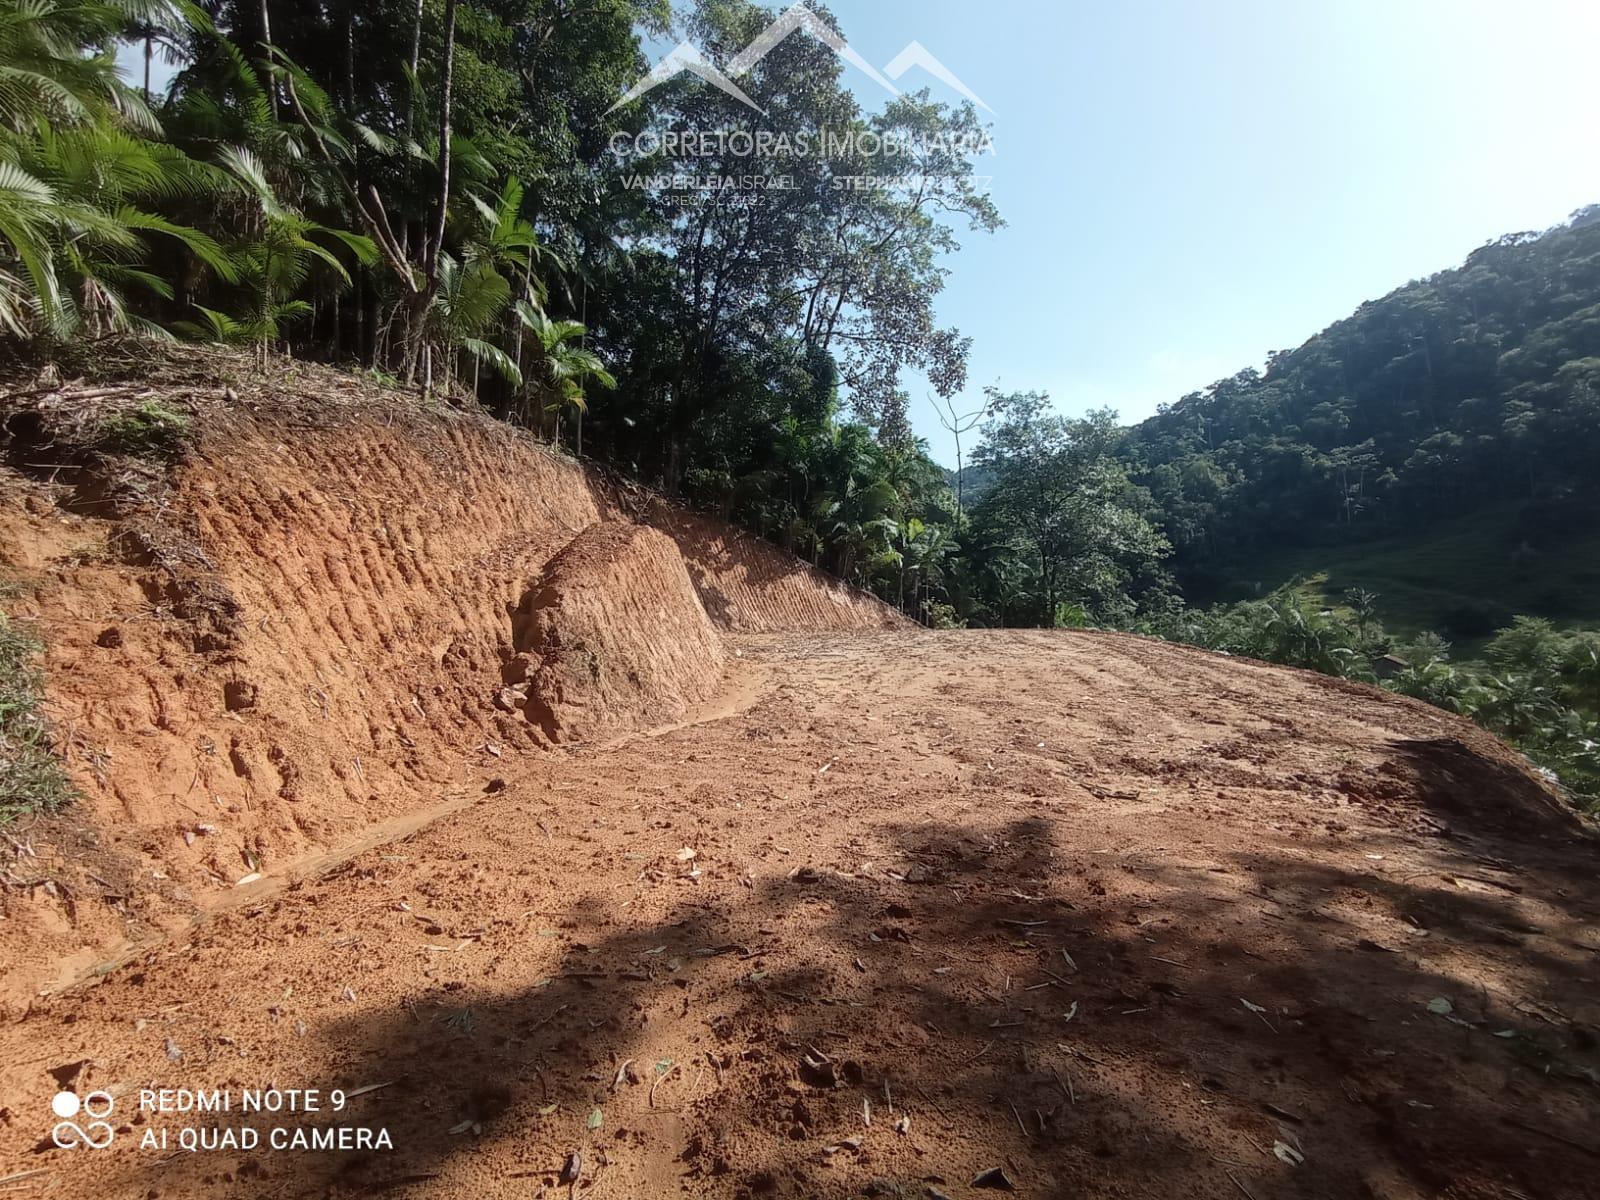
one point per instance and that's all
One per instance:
(95, 1107)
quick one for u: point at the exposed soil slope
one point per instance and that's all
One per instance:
(748, 587)
(612, 633)
(1112, 917)
(301, 630)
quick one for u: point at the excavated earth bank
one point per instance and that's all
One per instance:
(612, 633)
(575, 886)
(303, 633)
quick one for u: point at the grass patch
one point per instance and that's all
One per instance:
(32, 779)
(149, 429)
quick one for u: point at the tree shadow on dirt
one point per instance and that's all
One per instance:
(1083, 1021)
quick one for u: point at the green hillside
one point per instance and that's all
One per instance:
(1474, 391)
(1463, 578)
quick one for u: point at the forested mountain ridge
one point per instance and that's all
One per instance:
(1477, 386)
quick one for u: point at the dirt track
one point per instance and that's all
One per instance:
(1116, 918)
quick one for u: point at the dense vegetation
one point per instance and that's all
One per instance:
(432, 189)
(1477, 389)
(447, 194)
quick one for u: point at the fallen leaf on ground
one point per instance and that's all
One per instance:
(1287, 1153)
(572, 1168)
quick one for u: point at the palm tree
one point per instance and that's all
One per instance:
(1364, 605)
(506, 241)
(1302, 637)
(858, 521)
(76, 179)
(107, 185)
(923, 548)
(278, 259)
(558, 379)
(57, 66)
(472, 295)
(162, 25)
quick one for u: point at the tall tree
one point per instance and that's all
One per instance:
(1060, 489)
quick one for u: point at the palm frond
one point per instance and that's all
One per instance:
(498, 359)
(201, 245)
(245, 166)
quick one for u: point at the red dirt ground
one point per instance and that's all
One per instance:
(820, 904)
(1112, 917)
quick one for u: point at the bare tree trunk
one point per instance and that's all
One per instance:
(446, 94)
(350, 56)
(961, 481)
(416, 327)
(266, 51)
(423, 300)
(957, 424)
(416, 57)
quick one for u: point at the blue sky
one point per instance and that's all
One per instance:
(1190, 185)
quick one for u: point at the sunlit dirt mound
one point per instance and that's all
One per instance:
(748, 588)
(284, 619)
(612, 633)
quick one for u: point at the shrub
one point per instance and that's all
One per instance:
(1580, 670)
(1530, 645)
(1071, 615)
(1424, 650)
(150, 429)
